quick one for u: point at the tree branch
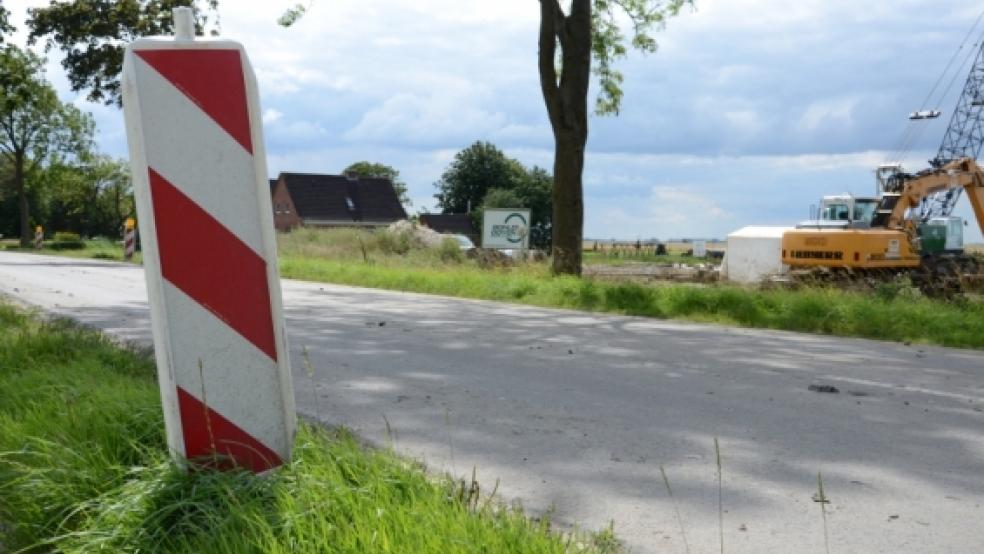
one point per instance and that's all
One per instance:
(550, 14)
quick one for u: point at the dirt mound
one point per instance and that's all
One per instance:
(490, 258)
(421, 235)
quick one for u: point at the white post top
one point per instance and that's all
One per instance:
(184, 23)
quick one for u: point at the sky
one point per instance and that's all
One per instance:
(750, 111)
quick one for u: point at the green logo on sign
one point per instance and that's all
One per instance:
(513, 230)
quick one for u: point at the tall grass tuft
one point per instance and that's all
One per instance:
(822, 499)
(676, 508)
(717, 457)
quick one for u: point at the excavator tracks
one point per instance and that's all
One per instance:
(939, 276)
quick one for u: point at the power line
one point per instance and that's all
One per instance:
(915, 128)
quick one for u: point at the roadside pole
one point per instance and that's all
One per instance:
(206, 224)
(129, 238)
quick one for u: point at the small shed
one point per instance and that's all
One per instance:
(754, 253)
(458, 224)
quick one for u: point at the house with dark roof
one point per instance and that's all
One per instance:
(317, 200)
(458, 224)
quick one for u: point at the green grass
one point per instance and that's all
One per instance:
(84, 468)
(892, 313)
(100, 249)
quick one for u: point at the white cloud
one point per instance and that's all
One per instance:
(683, 205)
(271, 115)
(454, 113)
(835, 111)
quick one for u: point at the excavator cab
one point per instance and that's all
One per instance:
(843, 211)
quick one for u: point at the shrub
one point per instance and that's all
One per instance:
(67, 236)
(395, 243)
(450, 251)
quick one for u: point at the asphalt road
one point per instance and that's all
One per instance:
(576, 412)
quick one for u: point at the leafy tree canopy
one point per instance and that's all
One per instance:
(370, 169)
(35, 125)
(91, 197)
(473, 172)
(93, 33)
(609, 42)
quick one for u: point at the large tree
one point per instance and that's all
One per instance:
(34, 124)
(588, 31)
(473, 172)
(93, 33)
(92, 196)
(372, 169)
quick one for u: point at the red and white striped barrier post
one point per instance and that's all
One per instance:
(203, 205)
(129, 238)
(38, 237)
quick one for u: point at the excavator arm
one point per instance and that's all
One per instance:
(958, 174)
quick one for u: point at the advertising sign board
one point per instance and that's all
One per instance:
(506, 228)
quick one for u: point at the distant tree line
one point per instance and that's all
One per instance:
(50, 173)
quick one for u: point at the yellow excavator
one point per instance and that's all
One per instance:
(908, 229)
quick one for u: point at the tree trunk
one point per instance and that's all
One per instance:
(567, 105)
(568, 203)
(25, 212)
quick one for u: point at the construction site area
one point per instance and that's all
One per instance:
(905, 232)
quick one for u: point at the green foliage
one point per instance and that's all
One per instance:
(66, 236)
(370, 169)
(473, 172)
(292, 15)
(93, 33)
(482, 176)
(92, 197)
(450, 251)
(610, 44)
(5, 26)
(84, 468)
(394, 242)
(35, 126)
(65, 240)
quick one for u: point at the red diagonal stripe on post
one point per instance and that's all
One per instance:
(212, 79)
(211, 265)
(208, 433)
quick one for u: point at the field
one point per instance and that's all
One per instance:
(84, 468)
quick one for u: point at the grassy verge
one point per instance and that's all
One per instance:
(385, 261)
(891, 315)
(83, 467)
(99, 249)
